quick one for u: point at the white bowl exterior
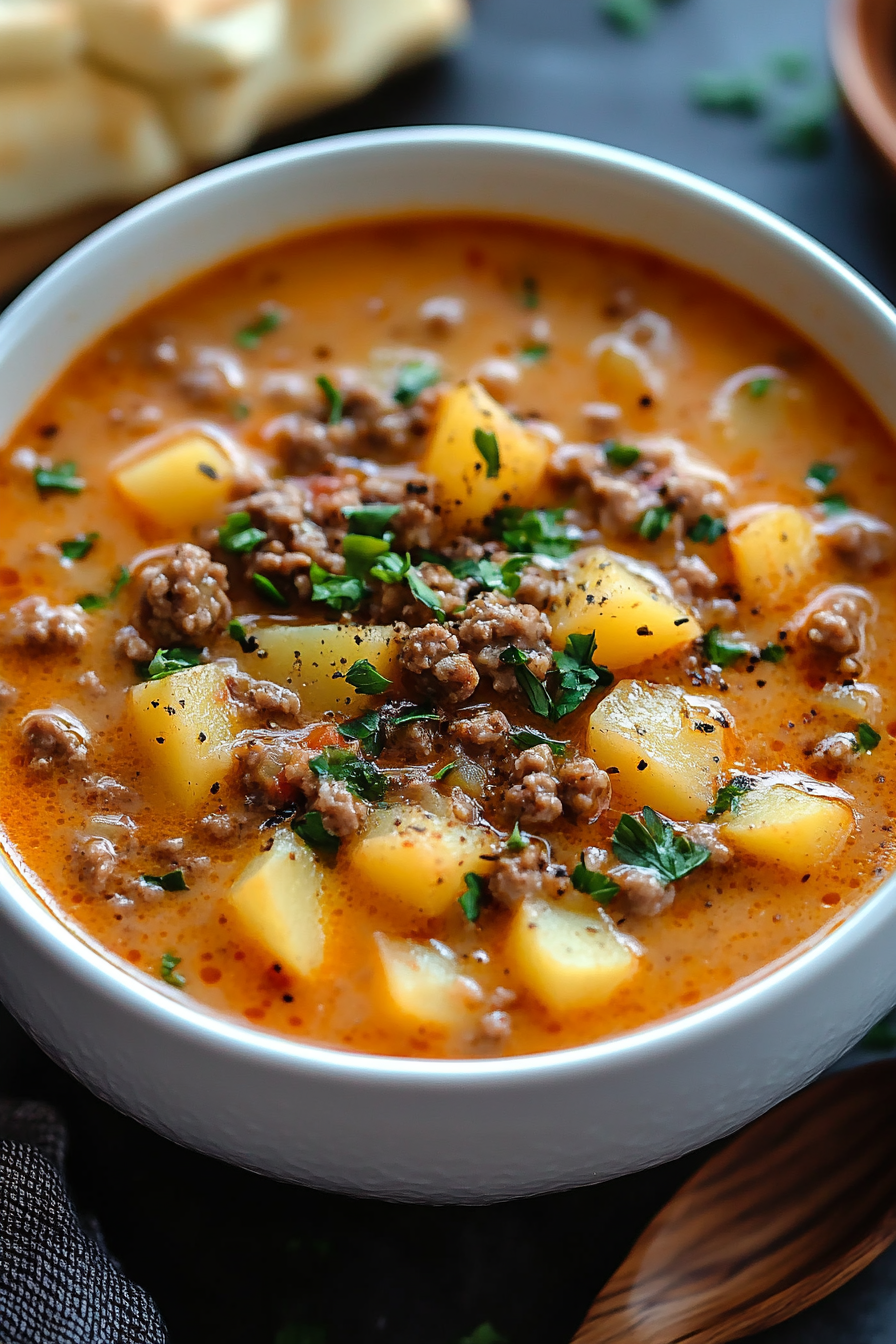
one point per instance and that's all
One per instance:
(441, 1130)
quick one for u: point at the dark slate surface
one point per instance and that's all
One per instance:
(233, 1258)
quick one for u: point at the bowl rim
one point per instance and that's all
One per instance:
(166, 1009)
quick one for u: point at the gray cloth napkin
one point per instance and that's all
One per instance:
(58, 1283)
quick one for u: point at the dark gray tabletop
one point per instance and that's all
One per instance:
(233, 1258)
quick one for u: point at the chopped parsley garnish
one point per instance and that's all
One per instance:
(444, 770)
(821, 474)
(333, 396)
(621, 454)
(367, 729)
(833, 504)
(76, 548)
(531, 737)
(63, 476)
(634, 18)
(238, 536)
(740, 94)
(474, 897)
(391, 567)
(721, 651)
(654, 844)
(494, 578)
(362, 552)
(312, 830)
(530, 292)
(173, 881)
(414, 378)
(249, 338)
(362, 778)
(534, 690)
(758, 388)
(866, 738)
(535, 532)
(424, 593)
(707, 529)
(773, 653)
(515, 840)
(579, 674)
(342, 592)
(240, 410)
(413, 714)
(533, 351)
(653, 523)
(370, 520)
(236, 630)
(729, 795)
(94, 601)
(365, 678)
(486, 441)
(596, 885)
(266, 588)
(165, 662)
(167, 970)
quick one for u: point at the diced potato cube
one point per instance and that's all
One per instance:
(423, 980)
(468, 493)
(312, 660)
(278, 900)
(632, 620)
(668, 747)
(177, 483)
(418, 859)
(784, 823)
(184, 727)
(625, 372)
(857, 700)
(775, 551)
(569, 960)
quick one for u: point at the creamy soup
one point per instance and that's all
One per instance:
(449, 637)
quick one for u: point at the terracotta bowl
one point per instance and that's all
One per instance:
(862, 36)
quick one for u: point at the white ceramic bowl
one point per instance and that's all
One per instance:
(402, 1128)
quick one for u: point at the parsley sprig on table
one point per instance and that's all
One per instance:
(654, 844)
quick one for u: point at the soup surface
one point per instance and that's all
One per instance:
(449, 637)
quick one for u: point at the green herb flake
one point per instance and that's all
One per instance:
(530, 294)
(534, 690)
(445, 770)
(759, 388)
(653, 523)
(414, 714)
(312, 830)
(486, 441)
(167, 970)
(834, 504)
(237, 631)
(63, 476)
(391, 567)
(362, 778)
(740, 94)
(165, 662)
(249, 338)
(425, 594)
(76, 548)
(791, 67)
(474, 897)
(531, 737)
(333, 396)
(238, 536)
(621, 454)
(370, 520)
(339, 591)
(367, 730)
(173, 881)
(707, 529)
(821, 474)
(721, 651)
(361, 553)
(515, 840)
(803, 130)
(633, 18)
(240, 410)
(263, 585)
(729, 795)
(596, 885)
(414, 378)
(773, 653)
(579, 674)
(95, 601)
(535, 532)
(533, 351)
(653, 843)
(866, 738)
(365, 678)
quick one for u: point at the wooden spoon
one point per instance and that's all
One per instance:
(792, 1208)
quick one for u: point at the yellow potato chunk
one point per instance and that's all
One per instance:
(625, 372)
(313, 660)
(278, 900)
(179, 483)
(667, 746)
(783, 823)
(632, 620)
(184, 727)
(468, 493)
(418, 859)
(775, 551)
(569, 960)
(423, 981)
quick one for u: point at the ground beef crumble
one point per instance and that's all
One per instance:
(433, 654)
(836, 621)
(262, 697)
(35, 624)
(183, 597)
(527, 873)
(491, 624)
(54, 739)
(277, 770)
